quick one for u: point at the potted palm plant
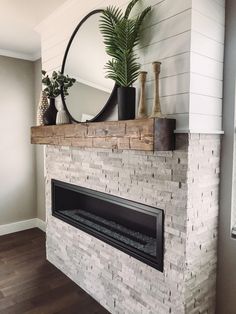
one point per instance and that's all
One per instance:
(121, 35)
(54, 86)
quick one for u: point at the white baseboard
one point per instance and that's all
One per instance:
(22, 225)
(40, 224)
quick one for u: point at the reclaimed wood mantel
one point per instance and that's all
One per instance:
(153, 134)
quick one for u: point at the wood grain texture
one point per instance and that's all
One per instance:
(29, 284)
(143, 134)
(164, 129)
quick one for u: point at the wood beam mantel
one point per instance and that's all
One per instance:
(142, 134)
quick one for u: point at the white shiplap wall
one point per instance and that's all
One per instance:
(187, 36)
(206, 65)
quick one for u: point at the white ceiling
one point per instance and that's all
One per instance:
(18, 18)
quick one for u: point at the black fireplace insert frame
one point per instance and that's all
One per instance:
(155, 262)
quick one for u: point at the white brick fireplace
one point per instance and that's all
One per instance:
(188, 38)
(183, 183)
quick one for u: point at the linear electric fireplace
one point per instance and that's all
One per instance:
(133, 228)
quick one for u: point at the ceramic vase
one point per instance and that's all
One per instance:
(62, 117)
(49, 117)
(126, 103)
(42, 107)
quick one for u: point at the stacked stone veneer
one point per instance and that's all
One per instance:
(183, 183)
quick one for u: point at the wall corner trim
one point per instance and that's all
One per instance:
(22, 225)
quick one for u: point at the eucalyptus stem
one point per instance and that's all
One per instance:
(56, 84)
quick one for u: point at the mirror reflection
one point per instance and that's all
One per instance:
(85, 62)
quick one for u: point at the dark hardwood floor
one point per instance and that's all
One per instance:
(29, 284)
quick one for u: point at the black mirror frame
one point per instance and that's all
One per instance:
(111, 102)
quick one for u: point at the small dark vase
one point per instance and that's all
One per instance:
(126, 103)
(49, 117)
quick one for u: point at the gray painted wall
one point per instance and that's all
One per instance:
(17, 155)
(226, 286)
(39, 149)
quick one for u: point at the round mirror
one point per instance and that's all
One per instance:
(93, 95)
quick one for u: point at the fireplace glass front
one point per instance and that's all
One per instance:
(134, 228)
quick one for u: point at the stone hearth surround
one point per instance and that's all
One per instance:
(185, 183)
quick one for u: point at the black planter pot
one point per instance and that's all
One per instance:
(50, 115)
(126, 103)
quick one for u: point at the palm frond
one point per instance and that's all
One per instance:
(108, 20)
(129, 8)
(121, 34)
(138, 23)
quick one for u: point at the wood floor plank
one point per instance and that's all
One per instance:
(30, 284)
